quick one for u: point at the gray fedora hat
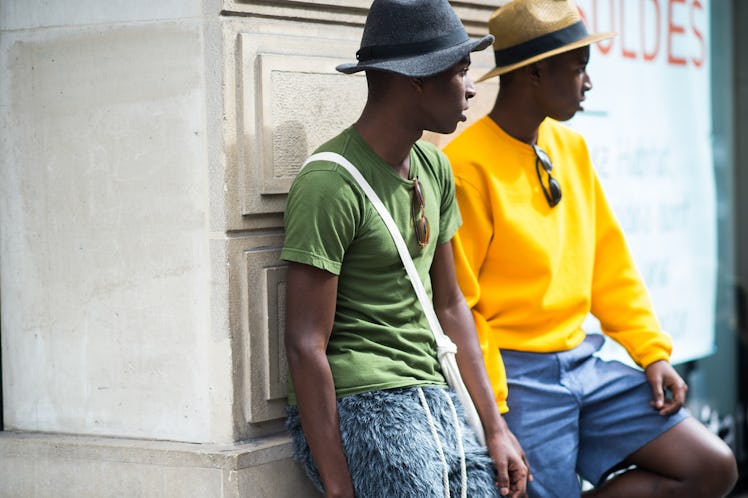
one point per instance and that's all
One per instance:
(415, 38)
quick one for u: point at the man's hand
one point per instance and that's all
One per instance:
(457, 322)
(668, 389)
(511, 464)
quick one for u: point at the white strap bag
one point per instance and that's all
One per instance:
(446, 349)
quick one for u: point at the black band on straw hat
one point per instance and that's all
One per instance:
(541, 44)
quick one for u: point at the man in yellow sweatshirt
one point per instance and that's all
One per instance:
(540, 249)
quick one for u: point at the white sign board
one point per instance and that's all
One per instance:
(647, 122)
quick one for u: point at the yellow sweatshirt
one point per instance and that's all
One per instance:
(532, 273)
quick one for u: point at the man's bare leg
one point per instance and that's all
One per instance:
(686, 461)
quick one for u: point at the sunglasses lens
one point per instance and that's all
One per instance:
(422, 231)
(420, 222)
(417, 194)
(544, 159)
(553, 191)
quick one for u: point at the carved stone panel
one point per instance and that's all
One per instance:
(289, 104)
(264, 283)
(303, 101)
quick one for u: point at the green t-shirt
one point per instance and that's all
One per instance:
(380, 337)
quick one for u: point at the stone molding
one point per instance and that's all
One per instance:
(36, 464)
(474, 14)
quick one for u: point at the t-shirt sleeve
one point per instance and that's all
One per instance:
(321, 217)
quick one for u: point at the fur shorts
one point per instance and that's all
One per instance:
(391, 449)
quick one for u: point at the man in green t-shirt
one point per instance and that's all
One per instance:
(370, 413)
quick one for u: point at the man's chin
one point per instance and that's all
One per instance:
(566, 116)
(443, 130)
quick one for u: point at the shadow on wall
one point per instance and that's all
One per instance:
(290, 148)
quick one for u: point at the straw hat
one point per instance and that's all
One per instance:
(527, 31)
(415, 38)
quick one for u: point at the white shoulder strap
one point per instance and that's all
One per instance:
(443, 342)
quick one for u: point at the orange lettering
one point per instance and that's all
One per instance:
(605, 45)
(628, 54)
(673, 29)
(650, 55)
(698, 62)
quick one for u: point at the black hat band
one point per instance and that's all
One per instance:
(405, 49)
(540, 45)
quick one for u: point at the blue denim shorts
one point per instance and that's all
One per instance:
(391, 449)
(578, 415)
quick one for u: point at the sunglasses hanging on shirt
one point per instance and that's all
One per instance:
(553, 191)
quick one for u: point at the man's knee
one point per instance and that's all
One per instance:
(691, 455)
(720, 472)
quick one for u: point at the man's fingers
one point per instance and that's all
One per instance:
(527, 466)
(518, 472)
(502, 477)
(668, 388)
(658, 395)
(502, 482)
(678, 391)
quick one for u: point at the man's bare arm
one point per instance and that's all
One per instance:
(310, 308)
(457, 322)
